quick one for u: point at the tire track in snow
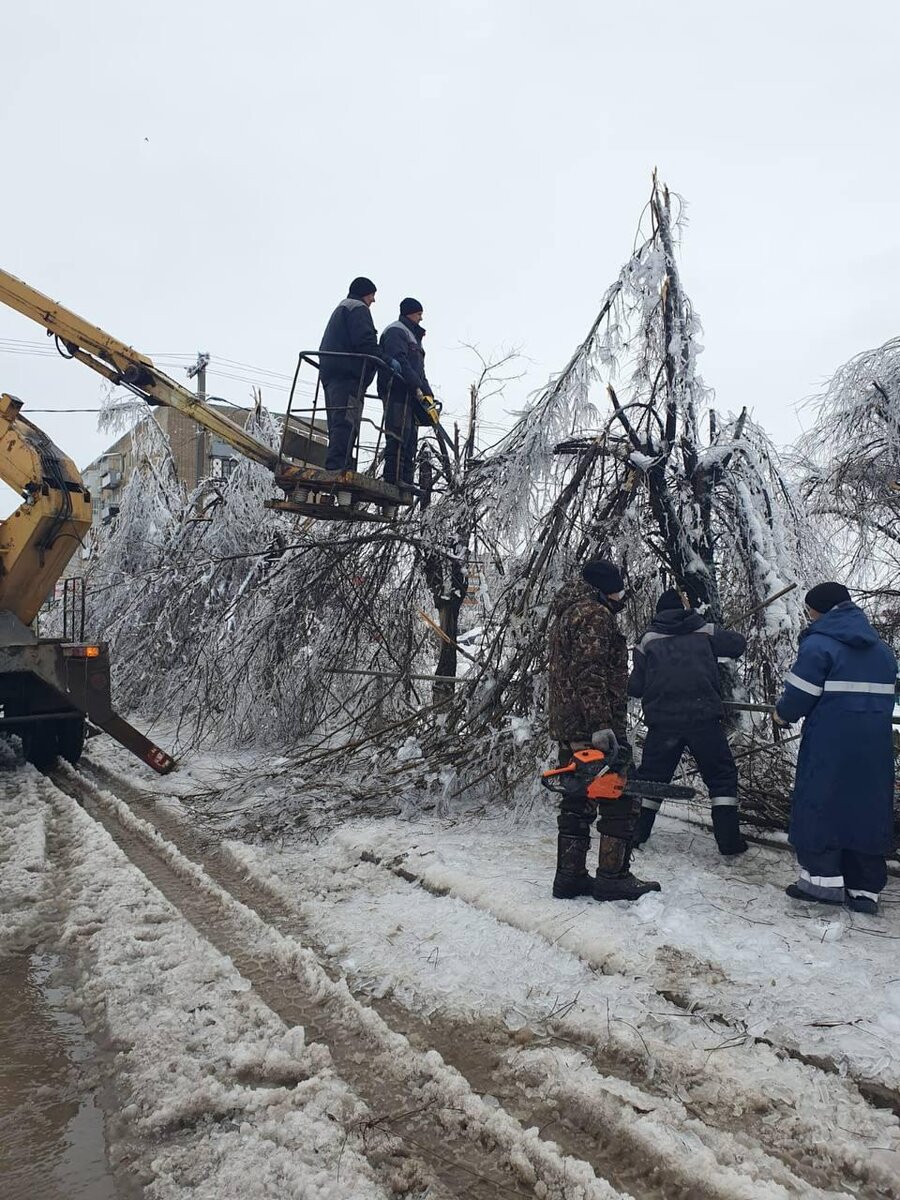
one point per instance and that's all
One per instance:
(665, 1143)
(666, 1072)
(473, 1149)
(875, 1093)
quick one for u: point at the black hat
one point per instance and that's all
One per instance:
(603, 575)
(669, 599)
(824, 596)
(362, 287)
(409, 305)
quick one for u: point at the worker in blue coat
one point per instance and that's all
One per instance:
(842, 813)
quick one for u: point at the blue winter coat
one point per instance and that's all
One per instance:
(843, 684)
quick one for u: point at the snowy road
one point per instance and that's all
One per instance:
(402, 1011)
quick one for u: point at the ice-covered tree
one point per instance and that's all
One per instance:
(852, 470)
(622, 454)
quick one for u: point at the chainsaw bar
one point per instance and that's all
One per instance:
(650, 787)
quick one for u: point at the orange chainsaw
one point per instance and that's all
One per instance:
(601, 775)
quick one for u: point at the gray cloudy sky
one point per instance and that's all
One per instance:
(202, 175)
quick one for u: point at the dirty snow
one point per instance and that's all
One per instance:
(23, 860)
(218, 1098)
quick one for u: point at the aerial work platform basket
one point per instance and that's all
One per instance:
(352, 494)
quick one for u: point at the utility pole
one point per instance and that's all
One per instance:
(199, 369)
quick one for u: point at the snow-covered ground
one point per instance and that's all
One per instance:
(714, 1039)
(217, 1098)
(721, 933)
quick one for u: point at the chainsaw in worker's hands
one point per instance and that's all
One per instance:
(605, 775)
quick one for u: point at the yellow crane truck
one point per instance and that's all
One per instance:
(49, 686)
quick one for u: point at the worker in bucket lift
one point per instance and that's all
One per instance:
(675, 675)
(400, 384)
(842, 816)
(350, 330)
(587, 681)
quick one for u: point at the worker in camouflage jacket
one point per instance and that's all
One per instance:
(842, 810)
(587, 697)
(676, 677)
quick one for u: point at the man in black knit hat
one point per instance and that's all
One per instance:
(400, 384)
(676, 677)
(587, 679)
(345, 379)
(843, 685)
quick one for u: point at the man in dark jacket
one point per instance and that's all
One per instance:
(676, 677)
(400, 384)
(350, 330)
(842, 815)
(587, 678)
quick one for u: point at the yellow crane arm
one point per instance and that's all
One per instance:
(40, 537)
(123, 365)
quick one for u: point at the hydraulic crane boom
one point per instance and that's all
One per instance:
(122, 364)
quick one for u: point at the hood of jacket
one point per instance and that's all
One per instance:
(845, 623)
(677, 620)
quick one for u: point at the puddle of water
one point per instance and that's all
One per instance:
(51, 1131)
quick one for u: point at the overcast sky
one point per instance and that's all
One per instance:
(202, 175)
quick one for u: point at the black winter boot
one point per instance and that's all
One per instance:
(862, 904)
(727, 830)
(614, 881)
(572, 878)
(796, 892)
(645, 825)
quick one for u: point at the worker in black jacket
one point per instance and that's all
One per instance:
(350, 331)
(400, 383)
(675, 674)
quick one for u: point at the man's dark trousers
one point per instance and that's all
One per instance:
(344, 408)
(400, 438)
(708, 745)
